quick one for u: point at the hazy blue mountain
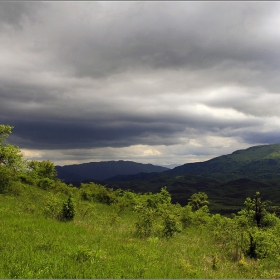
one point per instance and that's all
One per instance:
(103, 170)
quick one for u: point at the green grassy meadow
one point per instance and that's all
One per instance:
(100, 242)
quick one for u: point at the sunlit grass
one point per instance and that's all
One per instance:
(101, 244)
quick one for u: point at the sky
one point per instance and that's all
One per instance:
(151, 82)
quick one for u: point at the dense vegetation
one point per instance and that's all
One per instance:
(53, 230)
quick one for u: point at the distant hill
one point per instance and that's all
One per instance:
(256, 163)
(227, 179)
(103, 170)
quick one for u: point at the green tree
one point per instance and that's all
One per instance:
(157, 216)
(5, 131)
(157, 199)
(68, 209)
(171, 224)
(198, 200)
(42, 169)
(11, 162)
(258, 210)
(10, 156)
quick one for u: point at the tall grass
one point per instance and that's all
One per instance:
(99, 243)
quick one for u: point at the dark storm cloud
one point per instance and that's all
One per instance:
(50, 133)
(262, 137)
(213, 35)
(71, 135)
(185, 75)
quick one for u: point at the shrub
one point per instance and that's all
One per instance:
(186, 216)
(68, 210)
(198, 200)
(45, 183)
(52, 206)
(60, 187)
(269, 220)
(263, 243)
(171, 224)
(144, 225)
(15, 189)
(6, 178)
(42, 169)
(98, 193)
(201, 216)
(157, 216)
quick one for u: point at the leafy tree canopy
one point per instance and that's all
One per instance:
(11, 162)
(5, 131)
(198, 200)
(43, 169)
(10, 156)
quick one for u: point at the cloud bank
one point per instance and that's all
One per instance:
(158, 82)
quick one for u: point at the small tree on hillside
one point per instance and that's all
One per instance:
(198, 200)
(42, 169)
(258, 208)
(68, 210)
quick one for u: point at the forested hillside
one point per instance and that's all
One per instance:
(255, 163)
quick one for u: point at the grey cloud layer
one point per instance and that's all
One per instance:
(115, 74)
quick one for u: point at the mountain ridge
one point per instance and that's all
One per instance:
(103, 170)
(234, 165)
(227, 179)
(224, 167)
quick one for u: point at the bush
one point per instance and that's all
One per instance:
(68, 210)
(198, 200)
(6, 179)
(171, 225)
(97, 193)
(45, 183)
(52, 206)
(269, 220)
(15, 189)
(144, 225)
(60, 187)
(186, 216)
(262, 244)
(42, 169)
(157, 216)
(201, 216)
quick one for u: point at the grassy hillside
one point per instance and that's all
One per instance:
(53, 230)
(101, 243)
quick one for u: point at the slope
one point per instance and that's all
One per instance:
(258, 162)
